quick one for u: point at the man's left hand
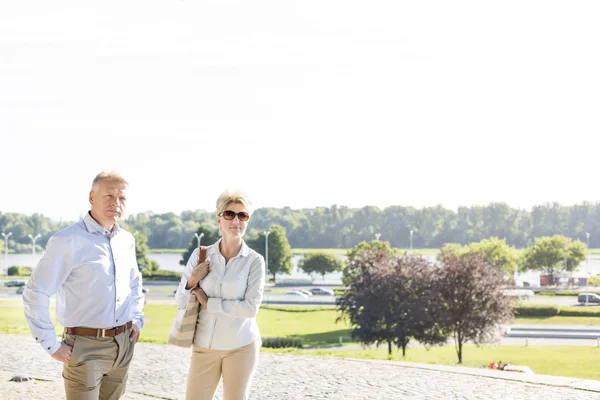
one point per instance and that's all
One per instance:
(135, 334)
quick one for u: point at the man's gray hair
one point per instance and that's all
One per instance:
(109, 176)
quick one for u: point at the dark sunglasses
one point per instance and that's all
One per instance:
(229, 215)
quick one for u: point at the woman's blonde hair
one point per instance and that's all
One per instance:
(233, 196)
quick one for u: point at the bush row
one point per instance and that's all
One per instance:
(552, 310)
(560, 292)
(161, 275)
(282, 342)
(18, 270)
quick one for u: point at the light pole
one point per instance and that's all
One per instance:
(33, 239)
(6, 236)
(587, 236)
(377, 235)
(565, 250)
(199, 237)
(411, 234)
(267, 252)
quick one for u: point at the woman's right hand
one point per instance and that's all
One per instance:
(198, 273)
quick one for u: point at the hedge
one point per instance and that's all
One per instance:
(18, 270)
(162, 275)
(282, 342)
(537, 310)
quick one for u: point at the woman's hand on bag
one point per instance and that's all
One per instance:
(201, 296)
(198, 273)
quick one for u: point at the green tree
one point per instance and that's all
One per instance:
(594, 281)
(320, 263)
(497, 254)
(454, 249)
(145, 265)
(210, 236)
(280, 252)
(548, 255)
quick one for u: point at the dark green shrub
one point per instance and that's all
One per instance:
(536, 310)
(282, 342)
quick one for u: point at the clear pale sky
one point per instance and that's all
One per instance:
(299, 103)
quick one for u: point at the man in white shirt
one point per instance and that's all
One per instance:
(92, 268)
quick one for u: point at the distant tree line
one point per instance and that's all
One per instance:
(344, 227)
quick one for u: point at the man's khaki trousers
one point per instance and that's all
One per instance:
(237, 367)
(98, 366)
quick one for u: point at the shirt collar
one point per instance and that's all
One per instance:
(214, 249)
(92, 226)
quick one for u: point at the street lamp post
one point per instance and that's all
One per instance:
(267, 251)
(411, 235)
(199, 237)
(565, 250)
(6, 236)
(587, 236)
(33, 239)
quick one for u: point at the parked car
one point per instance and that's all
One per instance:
(14, 283)
(519, 294)
(297, 293)
(584, 298)
(321, 292)
(306, 292)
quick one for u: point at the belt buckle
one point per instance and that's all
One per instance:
(98, 335)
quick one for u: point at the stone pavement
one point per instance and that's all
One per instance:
(159, 372)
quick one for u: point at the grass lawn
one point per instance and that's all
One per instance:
(13, 321)
(561, 361)
(317, 327)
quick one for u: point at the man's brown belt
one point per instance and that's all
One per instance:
(99, 333)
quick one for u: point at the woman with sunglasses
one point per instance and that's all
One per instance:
(229, 287)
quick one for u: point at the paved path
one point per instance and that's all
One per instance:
(159, 372)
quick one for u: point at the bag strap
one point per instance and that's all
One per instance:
(202, 255)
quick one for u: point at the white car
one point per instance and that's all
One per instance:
(321, 291)
(297, 293)
(519, 294)
(306, 292)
